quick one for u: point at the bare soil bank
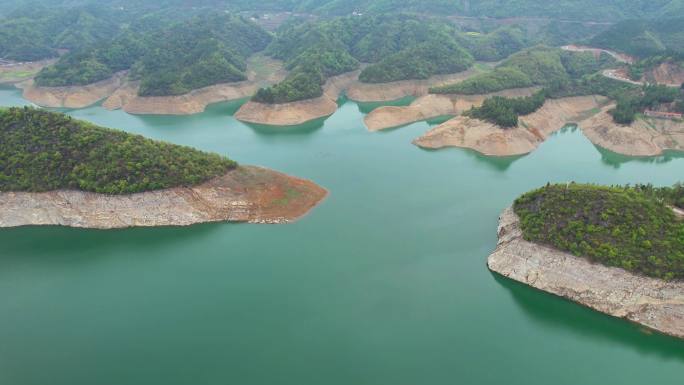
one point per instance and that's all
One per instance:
(431, 106)
(645, 137)
(120, 93)
(650, 302)
(71, 96)
(247, 194)
(288, 114)
(384, 92)
(532, 130)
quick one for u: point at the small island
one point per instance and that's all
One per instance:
(617, 250)
(60, 171)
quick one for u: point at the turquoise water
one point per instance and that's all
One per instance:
(384, 283)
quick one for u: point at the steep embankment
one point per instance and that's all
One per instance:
(651, 302)
(293, 113)
(246, 194)
(431, 106)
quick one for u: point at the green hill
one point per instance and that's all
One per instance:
(44, 151)
(170, 60)
(399, 46)
(628, 227)
(644, 38)
(537, 66)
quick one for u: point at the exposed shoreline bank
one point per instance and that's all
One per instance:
(644, 137)
(247, 194)
(655, 304)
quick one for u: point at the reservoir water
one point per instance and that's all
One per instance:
(384, 283)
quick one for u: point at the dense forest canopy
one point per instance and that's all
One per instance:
(628, 227)
(644, 38)
(173, 60)
(399, 46)
(564, 9)
(44, 151)
(537, 66)
(504, 112)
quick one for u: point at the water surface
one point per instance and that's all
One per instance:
(385, 283)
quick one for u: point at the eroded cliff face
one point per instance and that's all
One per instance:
(653, 303)
(246, 194)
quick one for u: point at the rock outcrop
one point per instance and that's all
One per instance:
(432, 106)
(532, 130)
(653, 303)
(246, 194)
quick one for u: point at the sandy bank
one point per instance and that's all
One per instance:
(650, 302)
(645, 137)
(383, 92)
(431, 106)
(71, 96)
(261, 72)
(288, 114)
(532, 130)
(247, 194)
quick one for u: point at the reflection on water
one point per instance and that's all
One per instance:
(551, 313)
(615, 160)
(299, 129)
(366, 107)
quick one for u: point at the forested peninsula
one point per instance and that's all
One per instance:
(61, 171)
(618, 250)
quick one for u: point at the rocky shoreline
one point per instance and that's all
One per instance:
(246, 194)
(655, 304)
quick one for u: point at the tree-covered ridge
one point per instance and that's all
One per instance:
(651, 97)
(628, 227)
(44, 151)
(31, 34)
(400, 46)
(645, 38)
(172, 60)
(504, 112)
(537, 66)
(495, 45)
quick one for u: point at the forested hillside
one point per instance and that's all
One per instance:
(400, 46)
(30, 34)
(169, 60)
(44, 151)
(628, 227)
(644, 38)
(537, 66)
